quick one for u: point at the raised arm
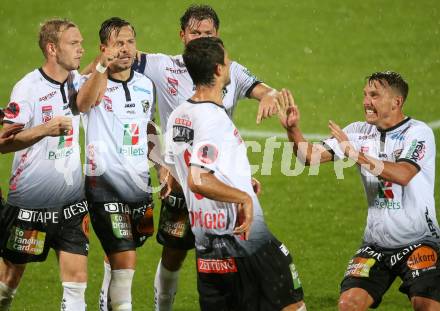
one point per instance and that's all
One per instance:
(289, 115)
(205, 183)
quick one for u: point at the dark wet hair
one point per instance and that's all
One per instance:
(201, 57)
(393, 79)
(114, 23)
(199, 12)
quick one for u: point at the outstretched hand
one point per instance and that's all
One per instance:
(268, 106)
(244, 218)
(342, 139)
(288, 112)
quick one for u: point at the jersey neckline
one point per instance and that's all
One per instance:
(45, 76)
(395, 126)
(189, 100)
(120, 81)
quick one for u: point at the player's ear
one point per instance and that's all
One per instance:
(398, 101)
(51, 49)
(102, 47)
(182, 35)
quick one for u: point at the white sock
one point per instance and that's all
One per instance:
(6, 296)
(165, 288)
(73, 296)
(103, 294)
(120, 289)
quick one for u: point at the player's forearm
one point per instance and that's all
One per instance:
(25, 139)
(398, 173)
(209, 186)
(91, 92)
(262, 90)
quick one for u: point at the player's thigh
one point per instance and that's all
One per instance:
(73, 267)
(10, 273)
(367, 270)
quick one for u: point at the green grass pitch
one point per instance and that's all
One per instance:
(322, 51)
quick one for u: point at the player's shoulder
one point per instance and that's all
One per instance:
(417, 126)
(29, 80)
(360, 127)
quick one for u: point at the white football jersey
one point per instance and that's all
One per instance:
(117, 166)
(202, 134)
(174, 85)
(47, 174)
(397, 215)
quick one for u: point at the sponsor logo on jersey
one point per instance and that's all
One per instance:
(365, 137)
(207, 154)
(64, 149)
(131, 134)
(46, 113)
(399, 136)
(16, 175)
(237, 134)
(217, 266)
(416, 151)
(370, 252)
(12, 110)
(26, 241)
(173, 85)
(75, 209)
(359, 267)
(38, 216)
(130, 105)
(48, 96)
(121, 226)
(112, 89)
(140, 89)
(176, 70)
(208, 220)
(397, 153)
(422, 258)
(145, 105)
(108, 105)
(116, 207)
(395, 258)
(385, 196)
(431, 226)
(183, 134)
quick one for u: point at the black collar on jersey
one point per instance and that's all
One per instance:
(189, 100)
(395, 126)
(63, 93)
(124, 84)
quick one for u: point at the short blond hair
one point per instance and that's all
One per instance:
(50, 31)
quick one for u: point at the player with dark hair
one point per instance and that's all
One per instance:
(117, 174)
(396, 158)
(46, 206)
(240, 264)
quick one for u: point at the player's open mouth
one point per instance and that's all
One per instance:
(370, 112)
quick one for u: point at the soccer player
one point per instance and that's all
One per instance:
(174, 86)
(46, 206)
(117, 176)
(240, 264)
(396, 158)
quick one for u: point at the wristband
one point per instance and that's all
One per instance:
(100, 68)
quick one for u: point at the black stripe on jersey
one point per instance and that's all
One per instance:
(395, 126)
(63, 92)
(124, 85)
(410, 162)
(139, 66)
(204, 167)
(332, 152)
(189, 100)
(251, 88)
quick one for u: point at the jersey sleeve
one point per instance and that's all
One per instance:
(168, 138)
(245, 80)
(419, 147)
(207, 142)
(149, 65)
(332, 144)
(19, 109)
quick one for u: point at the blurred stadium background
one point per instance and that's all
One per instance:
(322, 51)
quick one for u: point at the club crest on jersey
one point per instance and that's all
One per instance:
(108, 106)
(12, 111)
(173, 84)
(145, 105)
(207, 153)
(46, 113)
(386, 190)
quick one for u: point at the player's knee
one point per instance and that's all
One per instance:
(424, 304)
(349, 303)
(6, 296)
(172, 259)
(73, 296)
(120, 289)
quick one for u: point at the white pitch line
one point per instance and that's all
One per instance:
(314, 136)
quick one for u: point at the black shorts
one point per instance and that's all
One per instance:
(27, 234)
(265, 281)
(122, 226)
(174, 227)
(374, 269)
